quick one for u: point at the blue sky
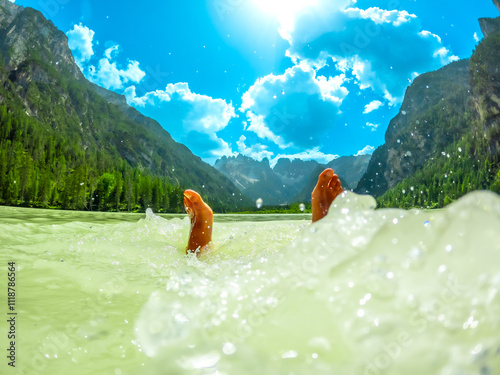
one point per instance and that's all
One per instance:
(310, 79)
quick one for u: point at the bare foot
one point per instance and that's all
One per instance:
(202, 218)
(326, 190)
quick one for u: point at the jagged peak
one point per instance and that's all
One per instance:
(490, 25)
(8, 11)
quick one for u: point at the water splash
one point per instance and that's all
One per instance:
(352, 280)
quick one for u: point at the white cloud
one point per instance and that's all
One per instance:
(111, 51)
(206, 114)
(80, 43)
(374, 105)
(256, 151)
(440, 52)
(379, 16)
(294, 108)
(192, 119)
(312, 154)
(476, 37)
(108, 75)
(367, 150)
(381, 47)
(258, 125)
(372, 126)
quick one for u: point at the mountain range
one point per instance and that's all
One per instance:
(289, 180)
(68, 143)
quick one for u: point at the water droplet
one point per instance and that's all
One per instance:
(259, 202)
(228, 348)
(290, 354)
(415, 259)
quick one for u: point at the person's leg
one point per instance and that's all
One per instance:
(326, 190)
(202, 218)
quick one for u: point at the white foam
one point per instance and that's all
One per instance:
(362, 291)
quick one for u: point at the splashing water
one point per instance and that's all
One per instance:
(362, 291)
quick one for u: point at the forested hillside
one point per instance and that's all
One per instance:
(65, 143)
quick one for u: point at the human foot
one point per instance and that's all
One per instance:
(202, 218)
(326, 190)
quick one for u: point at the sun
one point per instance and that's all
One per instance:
(285, 11)
(282, 8)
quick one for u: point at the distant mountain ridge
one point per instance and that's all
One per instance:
(349, 168)
(290, 180)
(72, 125)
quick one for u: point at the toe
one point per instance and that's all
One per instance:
(190, 199)
(325, 177)
(333, 182)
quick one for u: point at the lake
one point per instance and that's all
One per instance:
(362, 291)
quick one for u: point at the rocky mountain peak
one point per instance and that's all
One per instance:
(428, 121)
(490, 26)
(8, 11)
(27, 36)
(294, 168)
(290, 180)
